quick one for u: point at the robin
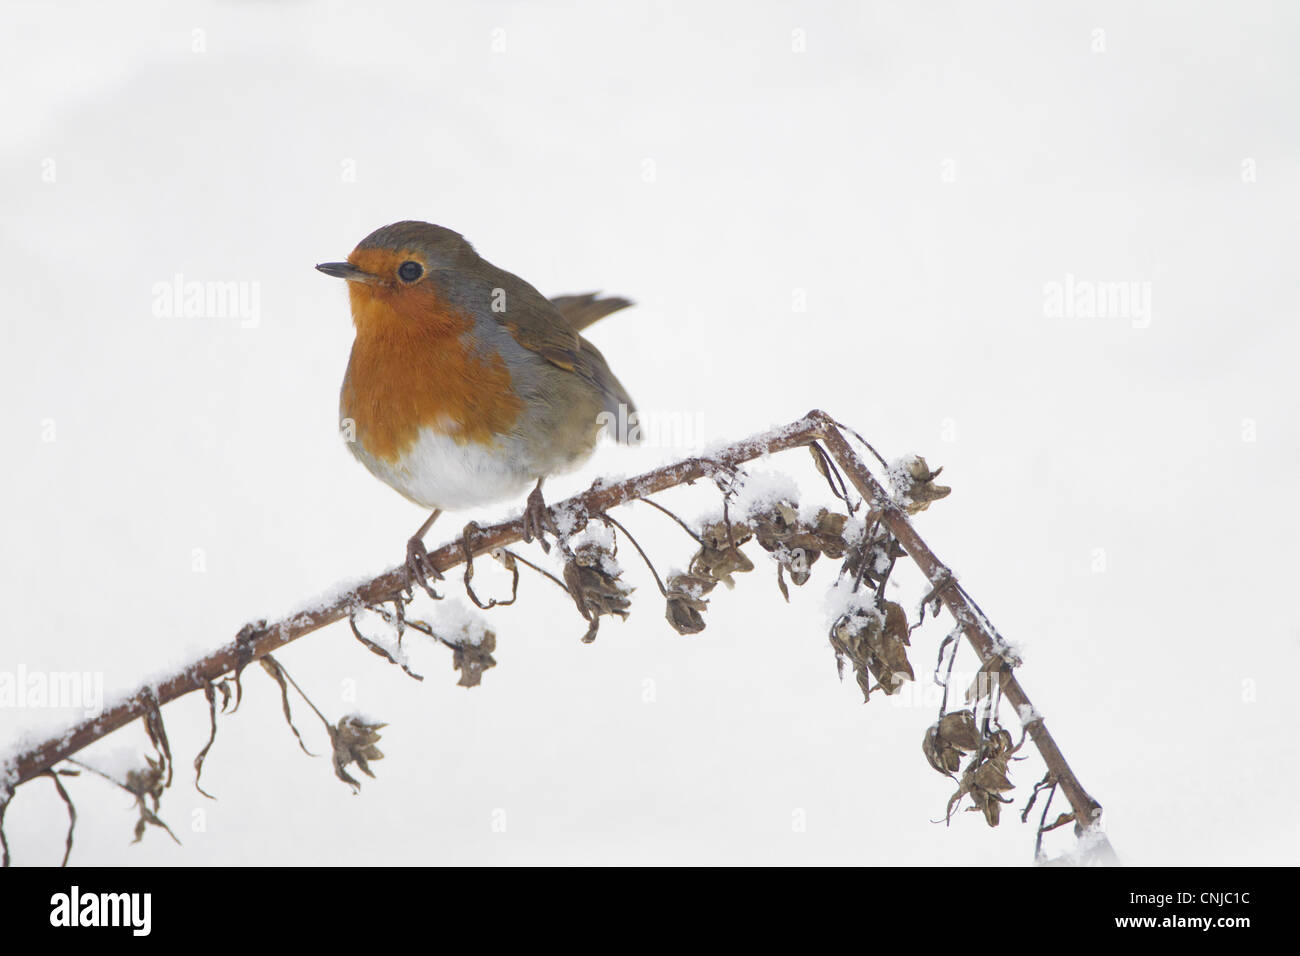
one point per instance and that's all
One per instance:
(465, 383)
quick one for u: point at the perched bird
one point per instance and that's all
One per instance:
(465, 383)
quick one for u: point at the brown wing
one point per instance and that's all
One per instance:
(581, 311)
(541, 327)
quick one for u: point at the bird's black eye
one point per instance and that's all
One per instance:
(410, 271)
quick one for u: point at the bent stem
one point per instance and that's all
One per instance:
(261, 638)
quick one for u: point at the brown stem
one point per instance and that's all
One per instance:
(264, 638)
(258, 640)
(974, 626)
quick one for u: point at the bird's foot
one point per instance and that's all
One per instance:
(419, 569)
(538, 520)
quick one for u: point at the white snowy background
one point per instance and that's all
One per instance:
(917, 175)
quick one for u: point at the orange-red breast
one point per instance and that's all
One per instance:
(466, 384)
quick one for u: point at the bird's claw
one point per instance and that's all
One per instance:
(538, 520)
(419, 569)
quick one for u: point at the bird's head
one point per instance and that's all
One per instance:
(389, 273)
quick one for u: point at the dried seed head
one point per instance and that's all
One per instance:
(354, 741)
(594, 579)
(686, 602)
(985, 778)
(720, 557)
(913, 483)
(875, 641)
(473, 659)
(949, 740)
(796, 545)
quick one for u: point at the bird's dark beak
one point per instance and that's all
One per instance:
(346, 270)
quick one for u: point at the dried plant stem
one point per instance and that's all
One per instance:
(259, 639)
(978, 631)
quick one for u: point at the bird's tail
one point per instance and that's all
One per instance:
(581, 311)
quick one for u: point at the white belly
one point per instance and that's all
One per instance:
(438, 472)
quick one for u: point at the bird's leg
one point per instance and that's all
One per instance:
(537, 518)
(417, 557)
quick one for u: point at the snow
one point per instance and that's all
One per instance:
(759, 489)
(172, 478)
(455, 621)
(1027, 714)
(899, 474)
(841, 599)
(569, 519)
